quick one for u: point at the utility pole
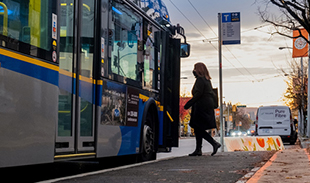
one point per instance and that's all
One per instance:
(228, 124)
(307, 130)
(302, 95)
(308, 107)
(220, 78)
(308, 85)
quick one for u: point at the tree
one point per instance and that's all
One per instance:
(184, 98)
(294, 15)
(292, 98)
(245, 119)
(183, 112)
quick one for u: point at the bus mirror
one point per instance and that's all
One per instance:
(185, 50)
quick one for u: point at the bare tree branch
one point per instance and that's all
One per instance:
(295, 13)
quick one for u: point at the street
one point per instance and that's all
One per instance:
(186, 145)
(222, 168)
(62, 169)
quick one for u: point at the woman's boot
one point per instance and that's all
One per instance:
(197, 152)
(216, 145)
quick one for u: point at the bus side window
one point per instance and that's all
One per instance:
(125, 27)
(29, 22)
(149, 56)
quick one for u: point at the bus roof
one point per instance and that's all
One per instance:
(157, 10)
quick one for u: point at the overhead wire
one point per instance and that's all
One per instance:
(224, 45)
(248, 30)
(241, 64)
(242, 81)
(205, 37)
(187, 19)
(277, 69)
(201, 16)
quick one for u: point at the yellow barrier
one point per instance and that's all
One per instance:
(259, 143)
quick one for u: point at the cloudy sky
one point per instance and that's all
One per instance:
(251, 70)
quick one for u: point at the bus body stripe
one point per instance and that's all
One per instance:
(27, 68)
(28, 59)
(74, 155)
(143, 97)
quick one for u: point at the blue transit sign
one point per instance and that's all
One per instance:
(231, 28)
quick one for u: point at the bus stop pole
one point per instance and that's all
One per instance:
(220, 78)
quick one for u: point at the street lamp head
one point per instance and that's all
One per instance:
(281, 48)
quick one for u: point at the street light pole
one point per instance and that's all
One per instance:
(308, 100)
(302, 96)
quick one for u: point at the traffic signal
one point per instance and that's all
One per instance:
(234, 108)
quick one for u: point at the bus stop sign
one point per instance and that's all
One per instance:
(231, 28)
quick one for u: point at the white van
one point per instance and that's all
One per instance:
(276, 120)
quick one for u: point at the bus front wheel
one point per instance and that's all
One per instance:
(148, 139)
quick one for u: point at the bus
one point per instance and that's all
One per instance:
(87, 79)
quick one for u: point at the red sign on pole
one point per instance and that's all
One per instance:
(300, 45)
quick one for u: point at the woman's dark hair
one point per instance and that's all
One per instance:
(202, 70)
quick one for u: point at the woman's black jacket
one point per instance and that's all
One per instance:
(202, 115)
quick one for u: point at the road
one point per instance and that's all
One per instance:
(63, 169)
(225, 167)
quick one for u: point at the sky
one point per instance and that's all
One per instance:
(252, 72)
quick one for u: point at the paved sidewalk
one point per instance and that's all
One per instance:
(224, 167)
(289, 165)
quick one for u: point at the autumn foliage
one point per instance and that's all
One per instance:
(182, 111)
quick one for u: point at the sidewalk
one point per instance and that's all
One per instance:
(224, 167)
(289, 165)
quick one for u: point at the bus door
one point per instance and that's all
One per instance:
(75, 128)
(170, 90)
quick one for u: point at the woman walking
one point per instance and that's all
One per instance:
(202, 103)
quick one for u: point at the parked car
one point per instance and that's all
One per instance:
(276, 120)
(252, 130)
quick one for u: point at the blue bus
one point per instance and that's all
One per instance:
(87, 79)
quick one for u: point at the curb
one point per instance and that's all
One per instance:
(247, 176)
(103, 171)
(304, 142)
(254, 175)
